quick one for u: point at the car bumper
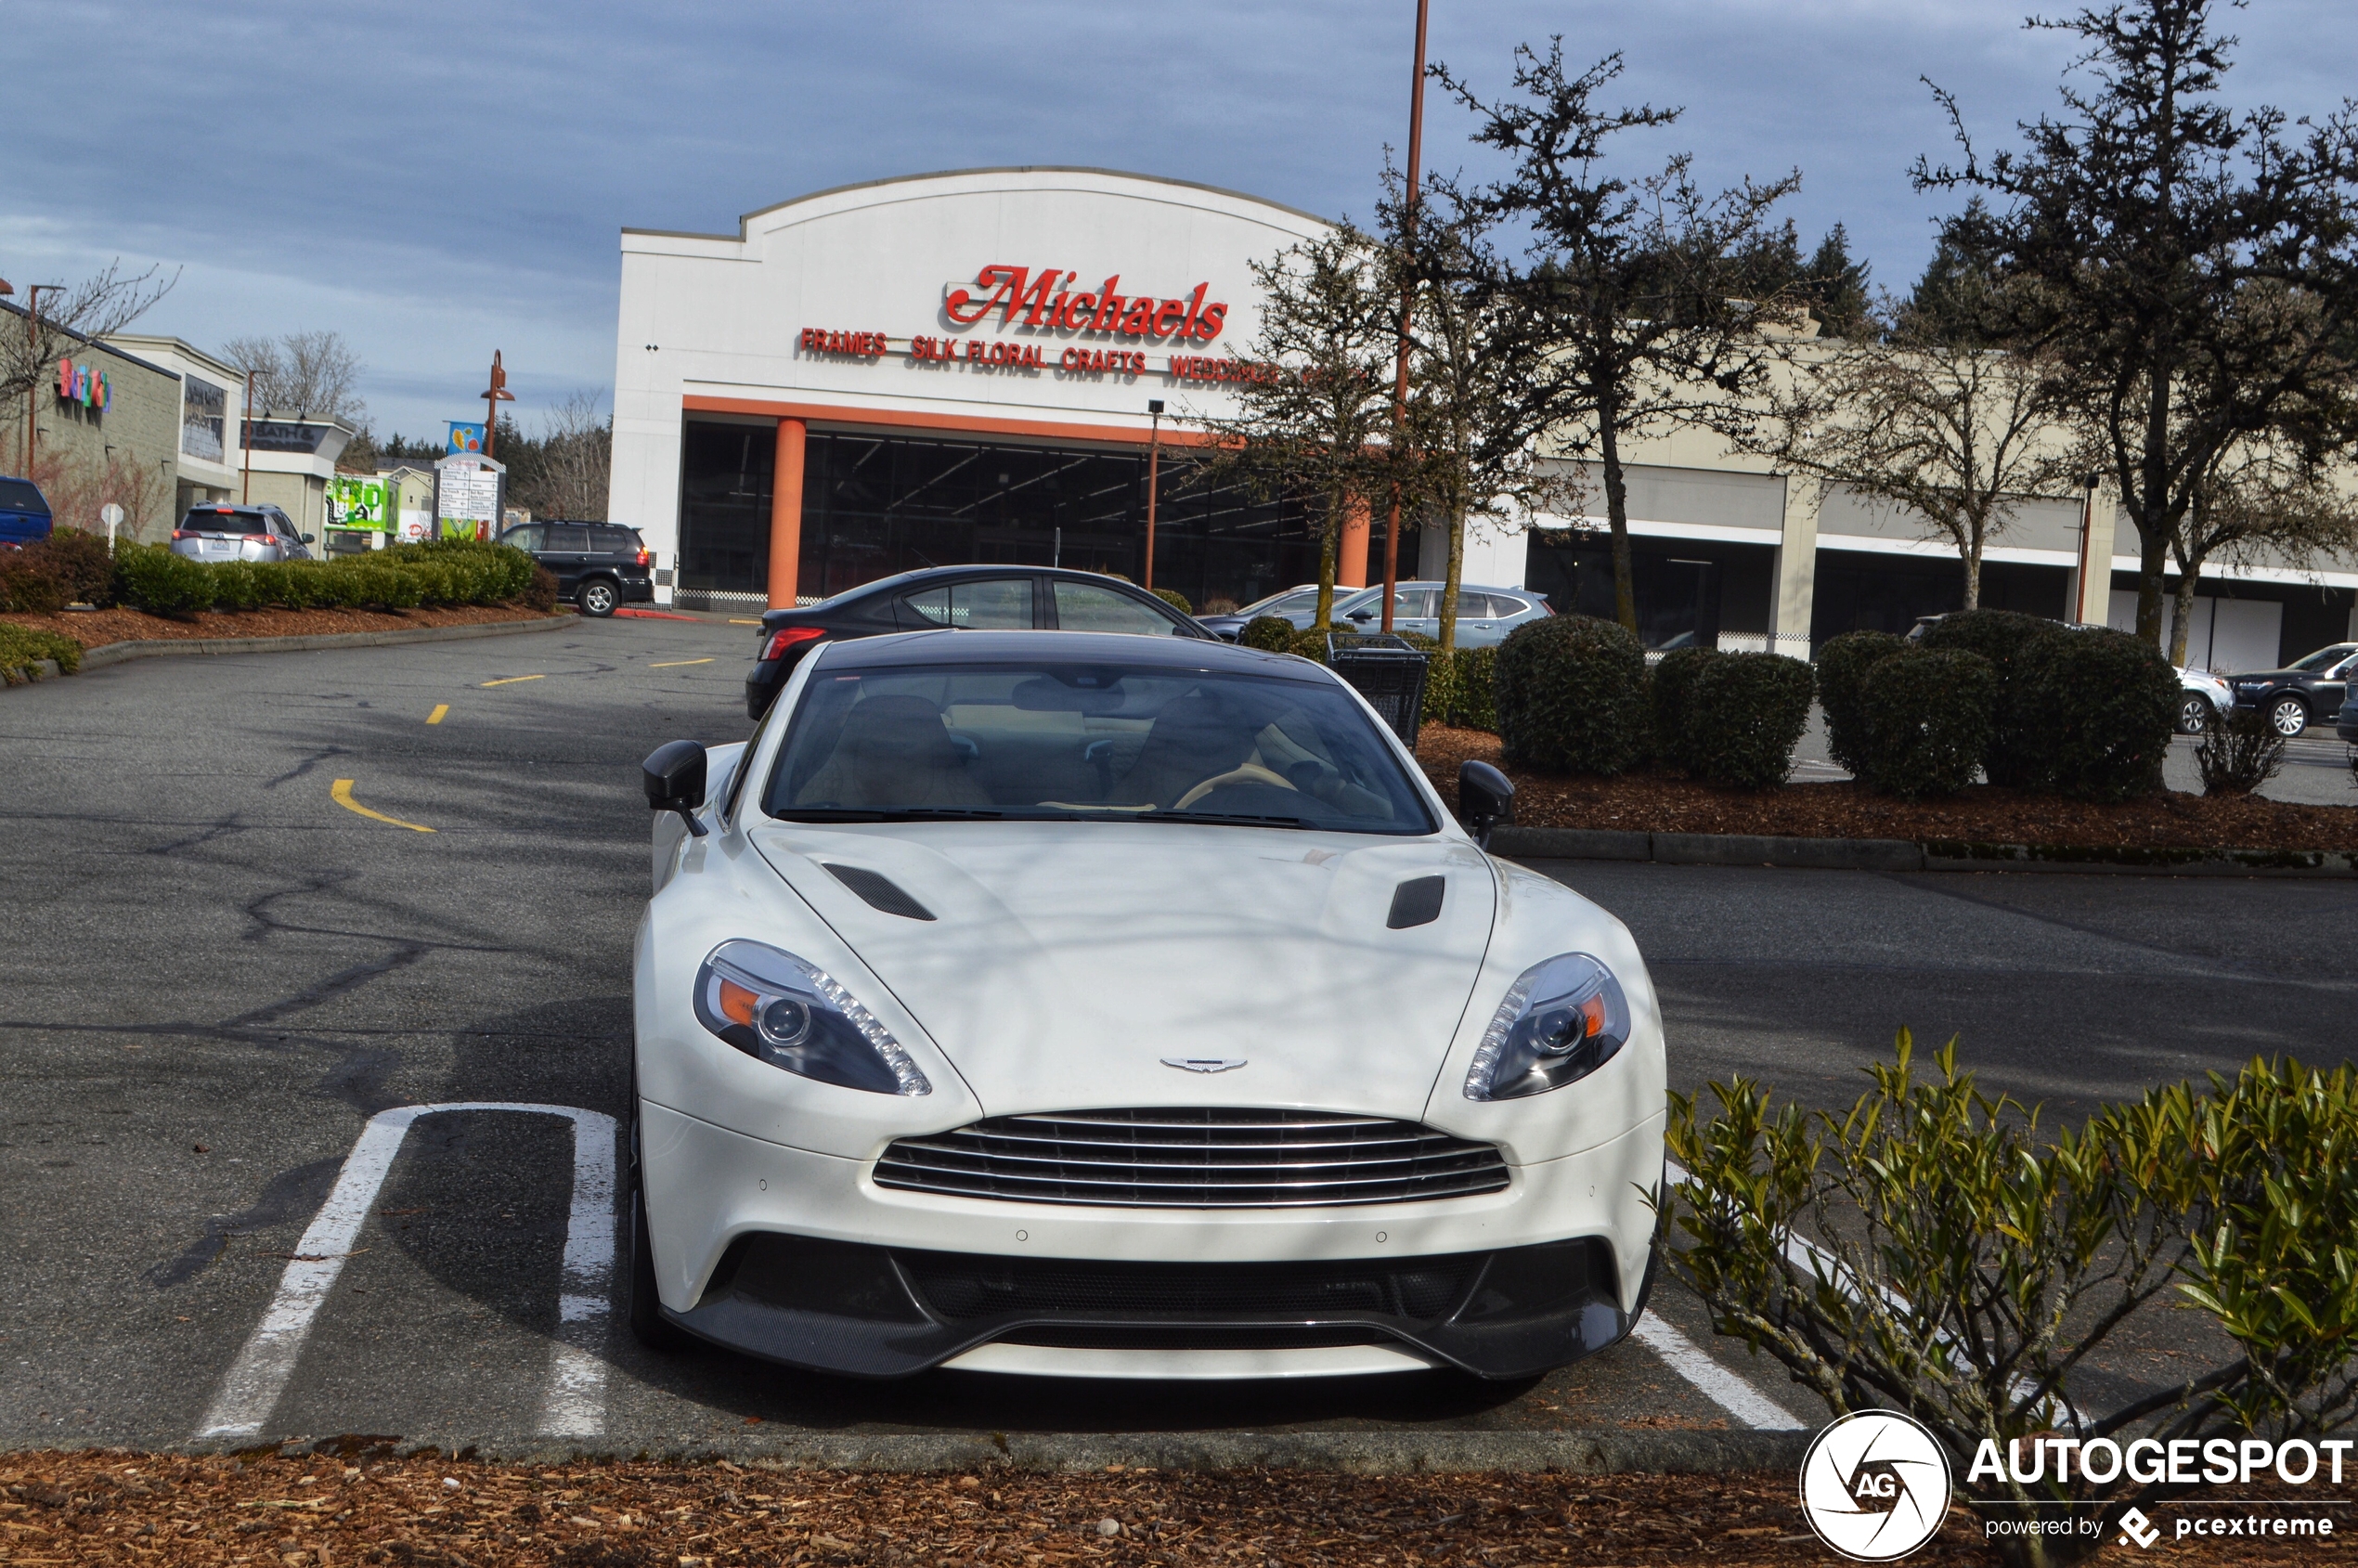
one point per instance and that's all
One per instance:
(801, 1258)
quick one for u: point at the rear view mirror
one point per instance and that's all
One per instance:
(674, 778)
(1486, 799)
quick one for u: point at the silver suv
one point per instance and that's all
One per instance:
(218, 531)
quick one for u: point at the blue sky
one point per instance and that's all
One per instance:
(437, 180)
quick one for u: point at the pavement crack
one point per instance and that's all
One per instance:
(299, 768)
(336, 985)
(290, 1195)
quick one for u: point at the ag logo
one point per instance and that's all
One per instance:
(1875, 1485)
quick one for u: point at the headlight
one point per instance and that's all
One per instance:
(1561, 1020)
(791, 1014)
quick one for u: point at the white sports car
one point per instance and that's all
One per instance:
(1097, 1005)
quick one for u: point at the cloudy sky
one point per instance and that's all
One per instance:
(437, 180)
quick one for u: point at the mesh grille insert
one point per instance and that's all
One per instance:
(1194, 1158)
(961, 1288)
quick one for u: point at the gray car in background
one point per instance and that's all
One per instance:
(1484, 615)
(218, 531)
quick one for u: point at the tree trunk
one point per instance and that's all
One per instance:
(1624, 591)
(1973, 566)
(1330, 547)
(2153, 559)
(2189, 577)
(1455, 575)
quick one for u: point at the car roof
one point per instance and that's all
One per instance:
(956, 645)
(902, 582)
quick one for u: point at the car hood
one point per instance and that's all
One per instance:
(1067, 960)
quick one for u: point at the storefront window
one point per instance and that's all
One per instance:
(204, 417)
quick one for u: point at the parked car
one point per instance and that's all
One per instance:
(218, 531)
(598, 565)
(2204, 696)
(1299, 606)
(1065, 1004)
(1484, 615)
(2346, 722)
(24, 514)
(963, 598)
(2305, 691)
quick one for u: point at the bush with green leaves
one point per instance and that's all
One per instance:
(1271, 633)
(22, 648)
(1745, 713)
(2004, 638)
(1936, 1251)
(1175, 599)
(1843, 664)
(1571, 695)
(1474, 690)
(1669, 684)
(151, 578)
(2095, 710)
(1926, 717)
(398, 577)
(80, 562)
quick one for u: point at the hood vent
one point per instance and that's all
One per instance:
(879, 891)
(1413, 903)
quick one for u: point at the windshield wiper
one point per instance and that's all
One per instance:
(1232, 817)
(887, 813)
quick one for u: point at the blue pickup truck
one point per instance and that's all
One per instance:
(24, 514)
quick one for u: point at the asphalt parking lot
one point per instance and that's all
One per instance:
(226, 946)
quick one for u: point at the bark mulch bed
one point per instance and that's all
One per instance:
(114, 1509)
(1653, 802)
(95, 628)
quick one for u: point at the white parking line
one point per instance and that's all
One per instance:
(1714, 1382)
(575, 1404)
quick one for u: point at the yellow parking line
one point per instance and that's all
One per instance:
(342, 795)
(735, 621)
(439, 709)
(675, 663)
(513, 678)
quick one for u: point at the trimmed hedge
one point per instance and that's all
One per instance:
(2097, 709)
(2002, 636)
(1175, 599)
(1571, 691)
(1745, 712)
(22, 648)
(79, 561)
(1270, 634)
(1926, 715)
(28, 587)
(1843, 665)
(1669, 688)
(399, 577)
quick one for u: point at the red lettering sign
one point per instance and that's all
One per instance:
(1041, 298)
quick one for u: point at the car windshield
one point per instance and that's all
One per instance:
(1088, 743)
(1292, 601)
(2324, 657)
(210, 521)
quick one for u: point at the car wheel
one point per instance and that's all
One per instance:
(2194, 715)
(2288, 717)
(598, 598)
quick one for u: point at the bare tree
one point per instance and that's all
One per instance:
(308, 375)
(1313, 418)
(1954, 434)
(576, 459)
(107, 302)
(2258, 505)
(1638, 289)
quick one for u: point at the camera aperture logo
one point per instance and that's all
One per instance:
(1874, 1485)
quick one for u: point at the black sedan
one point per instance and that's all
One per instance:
(2306, 691)
(966, 597)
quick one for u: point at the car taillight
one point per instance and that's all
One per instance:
(787, 636)
(181, 533)
(646, 558)
(258, 538)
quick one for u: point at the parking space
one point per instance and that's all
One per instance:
(218, 966)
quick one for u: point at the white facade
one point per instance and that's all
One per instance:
(213, 407)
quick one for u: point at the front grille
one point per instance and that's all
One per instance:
(1124, 1336)
(1194, 1158)
(963, 1287)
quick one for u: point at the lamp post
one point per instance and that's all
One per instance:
(1407, 305)
(494, 394)
(245, 443)
(1154, 457)
(2087, 526)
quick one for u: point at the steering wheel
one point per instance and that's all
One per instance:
(1244, 772)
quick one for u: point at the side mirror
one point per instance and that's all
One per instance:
(1486, 799)
(674, 777)
(1361, 615)
(311, 538)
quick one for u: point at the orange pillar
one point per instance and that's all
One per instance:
(1351, 556)
(785, 516)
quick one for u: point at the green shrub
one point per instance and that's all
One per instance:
(1175, 599)
(1928, 716)
(1272, 633)
(234, 585)
(80, 561)
(1843, 664)
(2002, 636)
(1941, 1251)
(2095, 709)
(21, 647)
(539, 589)
(1474, 702)
(1669, 685)
(29, 586)
(1309, 643)
(151, 578)
(1745, 714)
(1571, 695)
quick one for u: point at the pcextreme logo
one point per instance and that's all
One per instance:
(1874, 1485)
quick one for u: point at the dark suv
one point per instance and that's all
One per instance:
(2307, 691)
(598, 565)
(963, 598)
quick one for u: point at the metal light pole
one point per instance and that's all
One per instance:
(494, 394)
(2087, 525)
(245, 444)
(1154, 458)
(1407, 305)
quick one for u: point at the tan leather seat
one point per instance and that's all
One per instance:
(893, 752)
(1194, 738)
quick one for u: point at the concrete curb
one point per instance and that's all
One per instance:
(118, 653)
(1899, 854)
(1602, 1452)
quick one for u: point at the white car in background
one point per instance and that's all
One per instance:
(1073, 1004)
(2203, 697)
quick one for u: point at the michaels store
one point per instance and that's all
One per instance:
(959, 367)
